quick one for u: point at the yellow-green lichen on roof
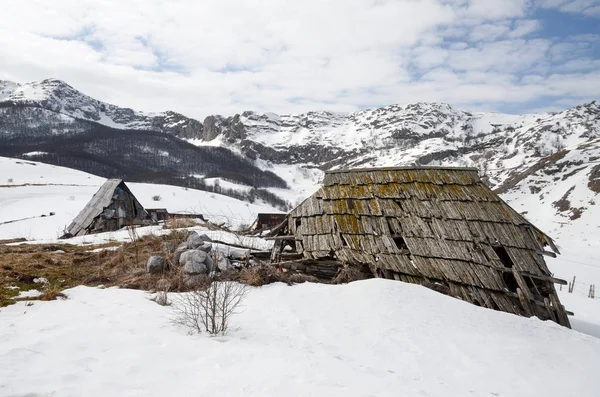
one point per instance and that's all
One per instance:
(426, 224)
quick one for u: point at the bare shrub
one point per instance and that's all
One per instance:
(156, 198)
(52, 292)
(209, 307)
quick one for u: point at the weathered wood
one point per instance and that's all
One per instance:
(456, 230)
(525, 302)
(550, 310)
(277, 238)
(548, 253)
(561, 315)
(290, 255)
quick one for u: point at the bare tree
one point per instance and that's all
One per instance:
(209, 307)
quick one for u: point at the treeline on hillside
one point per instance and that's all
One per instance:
(140, 156)
(128, 154)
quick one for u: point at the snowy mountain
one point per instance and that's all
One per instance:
(59, 97)
(52, 122)
(549, 160)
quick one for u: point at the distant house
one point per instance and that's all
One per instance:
(266, 221)
(158, 214)
(162, 214)
(111, 208)
(439, 227)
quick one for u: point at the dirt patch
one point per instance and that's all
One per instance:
(594, 179)
(576, 213)
(517, 177)
(563, 204)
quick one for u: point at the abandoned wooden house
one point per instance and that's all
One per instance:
(265, 221)
(162, 214)
(439, 227)
(158, 214)
(111, 208)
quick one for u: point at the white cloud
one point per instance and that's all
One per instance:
(223, 57)
(589, 8)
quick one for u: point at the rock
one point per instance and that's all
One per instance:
(178, 251)
(163, 284)
(206, 247)
(209, 263)
(196, 262)
(222, 262)
(196, 240)
(156, 264)
(27, 279)
(195, 268)
(40, 280)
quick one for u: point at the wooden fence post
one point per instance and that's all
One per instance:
(572, 285)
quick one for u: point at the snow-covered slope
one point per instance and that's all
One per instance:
(33, 190)
(368, 338)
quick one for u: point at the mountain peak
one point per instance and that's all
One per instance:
(7, 88)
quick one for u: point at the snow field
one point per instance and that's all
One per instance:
(369, 338)
(65, 192)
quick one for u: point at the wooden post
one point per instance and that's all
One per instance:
(560, 287)
(590, 292)
(572, 285)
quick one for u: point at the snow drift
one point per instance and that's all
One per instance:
(375, 337)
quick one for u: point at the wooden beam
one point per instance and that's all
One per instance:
(549, 253)
(560, 311)
(291, 255)
(282, 238)
(553, 280)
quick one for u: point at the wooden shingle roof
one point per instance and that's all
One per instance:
(428, 224)
(96, 205)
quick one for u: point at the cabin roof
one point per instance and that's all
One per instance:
(101, 199)
(426, 223)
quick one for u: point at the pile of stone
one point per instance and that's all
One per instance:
(199, 255)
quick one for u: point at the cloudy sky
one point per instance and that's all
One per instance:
(202, 57)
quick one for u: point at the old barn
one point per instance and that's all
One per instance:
(111, 208)
(440, 227)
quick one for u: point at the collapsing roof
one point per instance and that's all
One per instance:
(111, 208)
(440, 227)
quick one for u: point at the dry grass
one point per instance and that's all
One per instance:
(180, 223)
(66, 266)
(125, 267)
(52, 292)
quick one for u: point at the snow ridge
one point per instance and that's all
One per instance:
(57, 96)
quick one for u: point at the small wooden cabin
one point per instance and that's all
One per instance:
(158, 214)
(111, 208)
(439, 227)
